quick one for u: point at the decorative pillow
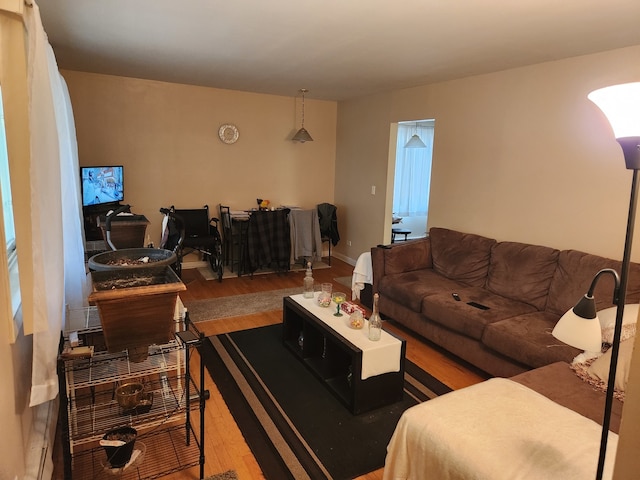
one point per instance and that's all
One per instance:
(607, 319)
(599, 369)
(596, 372)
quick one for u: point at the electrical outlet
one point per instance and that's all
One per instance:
(373, 189)
(348, 243)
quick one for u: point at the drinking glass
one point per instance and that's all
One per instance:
(324, 298)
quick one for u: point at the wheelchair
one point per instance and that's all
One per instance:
(192, 230)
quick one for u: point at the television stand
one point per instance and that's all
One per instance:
(127, 231)
(90, 215)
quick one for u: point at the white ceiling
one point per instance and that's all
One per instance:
(337, 49)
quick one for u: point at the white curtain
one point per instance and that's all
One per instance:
(57, 242)
(413, 172)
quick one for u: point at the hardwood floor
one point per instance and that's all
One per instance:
(225, 448)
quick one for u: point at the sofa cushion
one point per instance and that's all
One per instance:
(406, 256)
(410, 288)
(573, 277)
(527, 339)
(522, 272)
(442, 308)
(463, 257)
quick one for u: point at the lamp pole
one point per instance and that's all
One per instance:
(621, 106)
(617, 333)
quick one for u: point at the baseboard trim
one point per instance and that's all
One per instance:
(339, 256)
(39, 454)
(344, 258)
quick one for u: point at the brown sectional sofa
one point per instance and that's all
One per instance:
(526, 287)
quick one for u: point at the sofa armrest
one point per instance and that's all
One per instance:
(377, 264)
(399, 258)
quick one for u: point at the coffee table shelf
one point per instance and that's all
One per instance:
(337, 362)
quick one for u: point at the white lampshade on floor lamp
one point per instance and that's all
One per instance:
(621, 105)
(580, 327)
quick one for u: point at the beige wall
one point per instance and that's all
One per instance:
(166, 136)
(518, 155)
(361, 161)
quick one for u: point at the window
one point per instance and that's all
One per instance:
(8, 234)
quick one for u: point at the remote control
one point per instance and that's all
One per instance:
(478, 305)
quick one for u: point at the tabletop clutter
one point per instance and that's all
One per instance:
(356, 313)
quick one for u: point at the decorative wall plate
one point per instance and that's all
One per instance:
(228, 133)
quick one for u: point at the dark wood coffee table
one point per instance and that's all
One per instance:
(337, 361)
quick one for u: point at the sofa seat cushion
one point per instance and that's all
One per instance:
(463, 257)
(527, 339)
(442, 308)
(522, 272)
(409, 288)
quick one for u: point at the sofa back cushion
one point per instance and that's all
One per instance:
(523, 272)
(573, 277)
(404, 257)
(463, 257)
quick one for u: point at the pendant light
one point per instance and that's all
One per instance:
(415, 141)
(302, 135)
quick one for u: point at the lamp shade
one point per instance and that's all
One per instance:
(415, 142)
(576, 330)
(621, 106)
(302, 136)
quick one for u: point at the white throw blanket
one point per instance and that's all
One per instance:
(362, 273)
(497, 429)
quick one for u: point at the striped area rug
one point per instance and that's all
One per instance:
(294, 426)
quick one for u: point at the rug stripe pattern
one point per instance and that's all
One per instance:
(288, 443)
(256, 401)
(278, 445)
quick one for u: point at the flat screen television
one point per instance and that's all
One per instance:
(102, 185)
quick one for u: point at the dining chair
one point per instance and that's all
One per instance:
(231, 238)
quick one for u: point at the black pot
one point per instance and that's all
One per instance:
(117, 457)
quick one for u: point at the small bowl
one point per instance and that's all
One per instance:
(356, 320)
(145, 403)
(128, 395)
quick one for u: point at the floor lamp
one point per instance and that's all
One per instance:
(621, 105)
